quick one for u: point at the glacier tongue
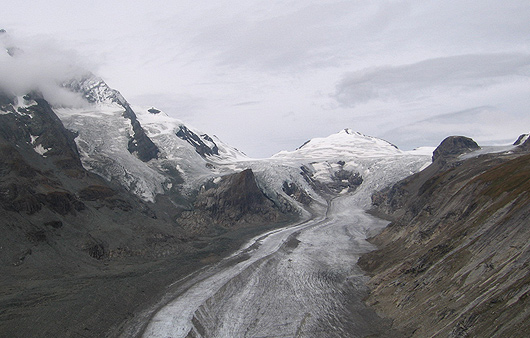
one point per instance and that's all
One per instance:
(300, 281)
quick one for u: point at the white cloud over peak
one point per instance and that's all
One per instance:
(39, 65)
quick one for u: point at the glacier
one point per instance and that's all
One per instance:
(302, 280)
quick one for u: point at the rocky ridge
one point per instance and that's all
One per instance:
(454, 260)
(229, 202)
(71, 238)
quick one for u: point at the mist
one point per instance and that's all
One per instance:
(40, 65)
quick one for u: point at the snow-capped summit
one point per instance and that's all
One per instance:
(345, 142)
(148, 153)
(94, 89)
(353, 156)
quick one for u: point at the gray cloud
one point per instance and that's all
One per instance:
(39, 65)
(430, 77)
(294, 36)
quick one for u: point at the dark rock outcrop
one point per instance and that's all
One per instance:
(234, 201)
(199, 142)
(523, 143)
(139, 143)
(294, 191)
(521, 139)
(339, 180)
(153, 111)
(454, 260)
(454, 146)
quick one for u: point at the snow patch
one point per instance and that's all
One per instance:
(33, 139)
(39, 149)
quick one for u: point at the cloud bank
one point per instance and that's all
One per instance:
(430, 77)
(39, 65)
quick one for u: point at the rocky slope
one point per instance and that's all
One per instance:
(229, 202)
(49, 201)
(454, 260)
(73, 237)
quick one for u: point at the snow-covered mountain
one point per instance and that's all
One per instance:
(151, 153)
(377, 163)
(144, 149)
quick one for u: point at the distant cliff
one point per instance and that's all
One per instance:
(454, 261)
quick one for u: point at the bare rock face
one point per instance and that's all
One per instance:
(521, 139)
(140, 144)
(453, 146)
(49, 204)
(294, 191)
(339, 181)
(234, 201)
(454, 261)
(203, 144)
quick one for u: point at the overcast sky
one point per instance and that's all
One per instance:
(265, 76)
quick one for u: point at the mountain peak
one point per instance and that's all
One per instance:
(94, 89)
(345, 141)
(453, 146)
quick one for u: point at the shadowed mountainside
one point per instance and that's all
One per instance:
(454, 260)
(79, 254)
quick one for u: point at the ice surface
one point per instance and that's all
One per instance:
(289, 287)
(103, 136)
(300, 281)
